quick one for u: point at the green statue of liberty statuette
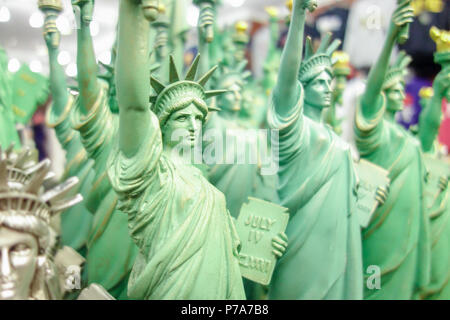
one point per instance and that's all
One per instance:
(186, 237)
(436, 193)
(317, 182)
(111, 251)
(397, 238)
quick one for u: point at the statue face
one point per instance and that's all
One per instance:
(231, 100)
(183, 127)
(395, 96)
(318, 91)
(18, 259)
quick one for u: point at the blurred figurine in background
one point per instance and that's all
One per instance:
(272, 62)
(188, 245)
(111, 252)
(224, 130)
(76, 221)
(397, 239)
(438, 171)
(317, 179)
(341, 70)
(8, 132)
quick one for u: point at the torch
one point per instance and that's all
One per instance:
(88, 8)
(51, 10)
(404, 32)
(150, 8)
(206, 17)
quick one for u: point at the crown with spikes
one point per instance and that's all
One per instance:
(180, 93)
(397, 71)
(21, 191)
(442, 39)
(314, 63)
(238, 72)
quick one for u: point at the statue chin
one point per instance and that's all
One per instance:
(9, 294)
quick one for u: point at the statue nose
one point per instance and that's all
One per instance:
(5, 268)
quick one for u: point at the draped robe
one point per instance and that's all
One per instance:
(186, 237)
(397, 238)
(111, 252)
(317, 183)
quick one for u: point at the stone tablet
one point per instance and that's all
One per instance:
(438, 171)
(258, 223)
(373, 182)
(69, 264)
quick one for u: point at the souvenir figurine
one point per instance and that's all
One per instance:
(341, 70)
(272, 61)
(76, 221)
(169, 31)
(397, 239)
(161, 43)
(317, 182)
(27, 241)
(225, 130)
(8, 132)
(111, 251)
(438, 170)
(188, 245)
(186, 238)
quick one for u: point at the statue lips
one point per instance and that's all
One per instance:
(7, 289)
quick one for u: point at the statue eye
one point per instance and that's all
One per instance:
(21, 249)
(181, 118)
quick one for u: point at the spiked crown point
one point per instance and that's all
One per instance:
(22, 192)
(238, 73)
(179, 93)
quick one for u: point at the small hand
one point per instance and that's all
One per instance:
(381, 195)
(51, 34)
(403, 15)
(206, 21)
(86, 9)
(279, 244)
(311, 5)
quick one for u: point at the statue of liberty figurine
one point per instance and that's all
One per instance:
(317, 179)
(230, 142)
(397, 238)
(438, 170)
(188, 246)
(8, 132)
(76, 221)
(341, 69)
(111, 251)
